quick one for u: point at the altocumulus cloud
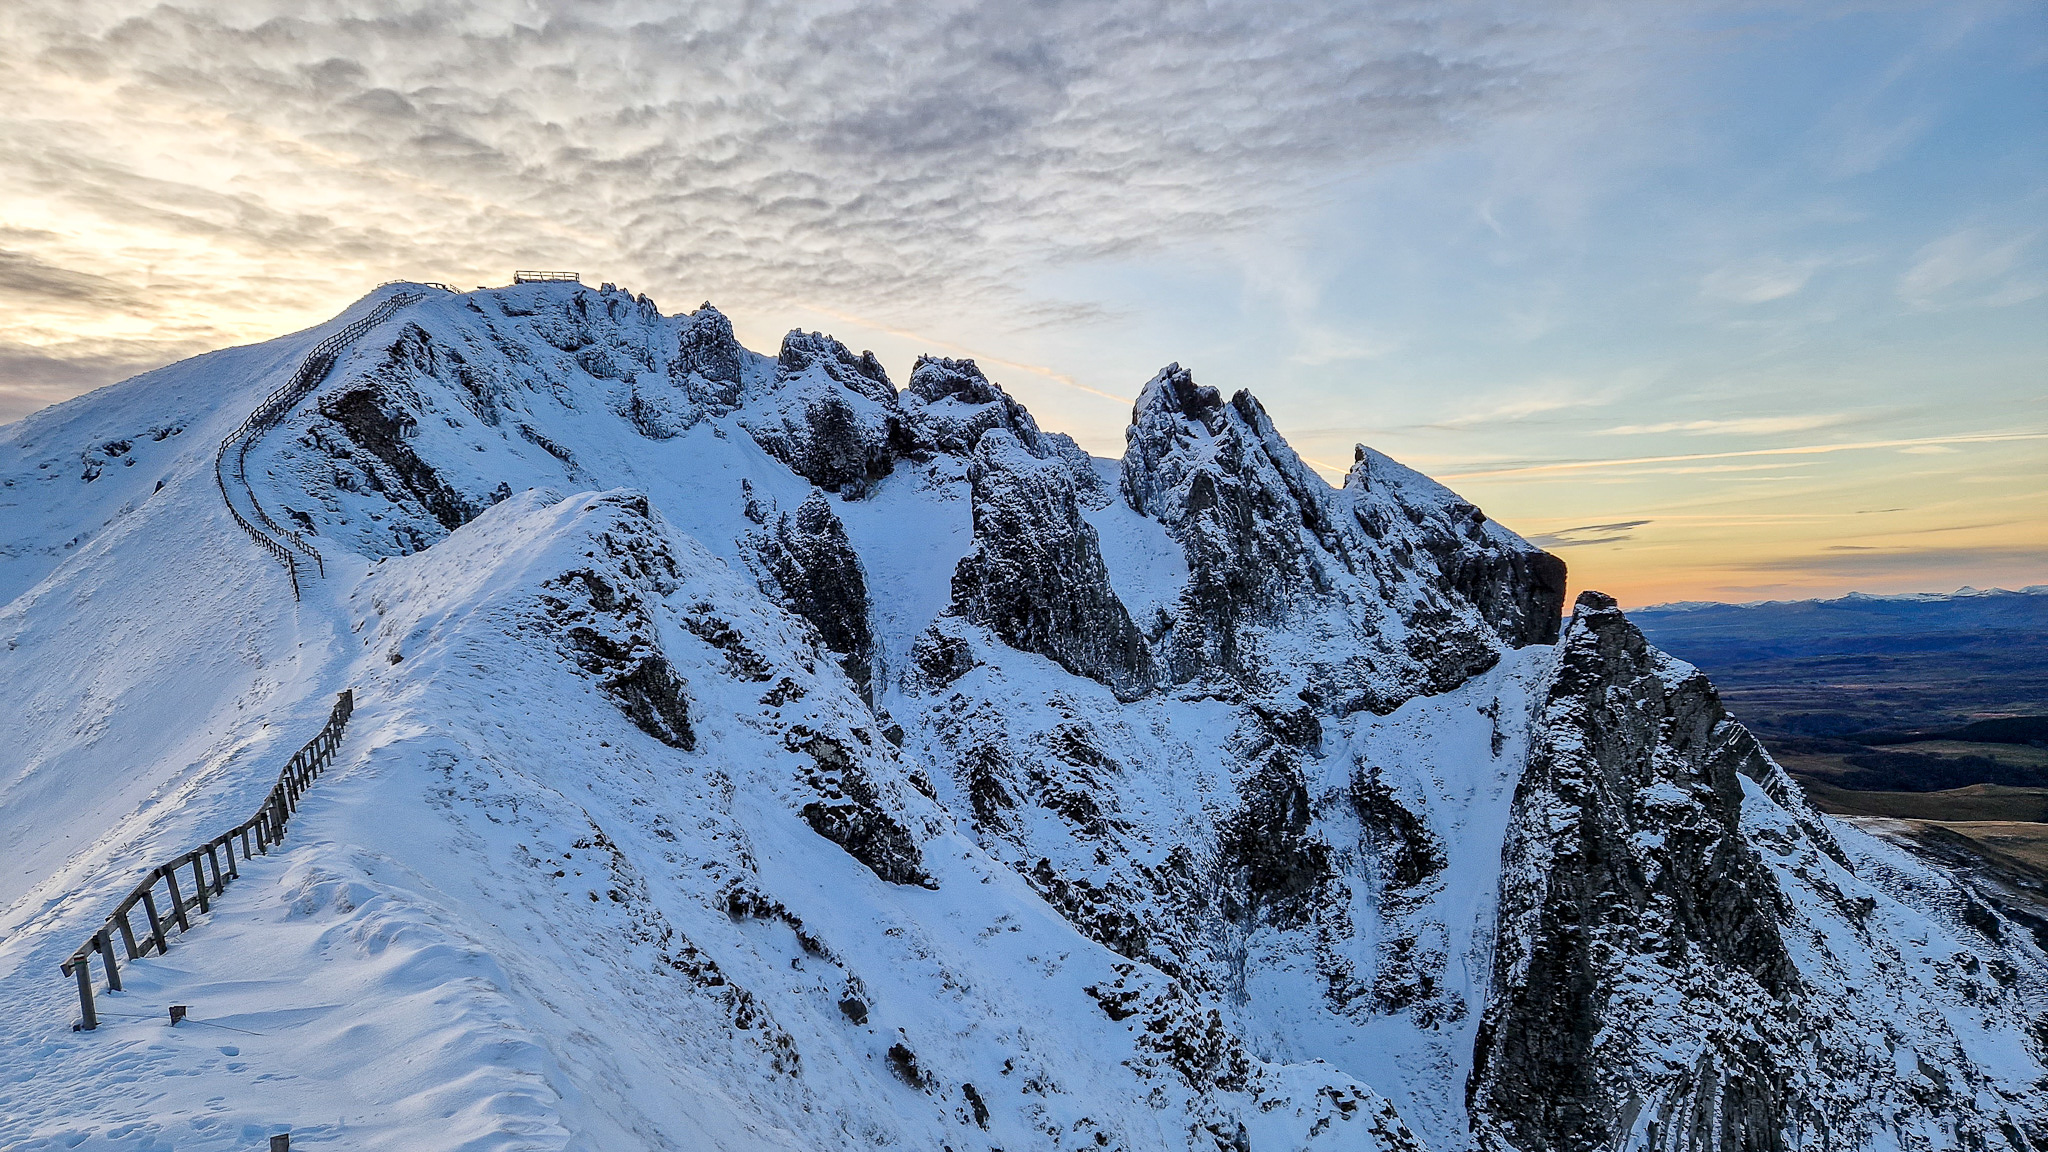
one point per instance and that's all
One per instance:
(896, 159)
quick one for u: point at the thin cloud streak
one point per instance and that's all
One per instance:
(1804, 450)
(1744, 426)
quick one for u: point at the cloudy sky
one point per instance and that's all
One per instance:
(1720, 301)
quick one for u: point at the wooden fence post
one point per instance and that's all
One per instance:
(268, 823)
(128, 933)
(82, 969)
(156, 922)
(177, 901)
(106, 942)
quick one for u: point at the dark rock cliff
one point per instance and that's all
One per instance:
(949, 404)
(851, 814)
(816, 574)
(1517, 588)
(1035, 575)
(708, 360)
(1625, 878)
(603, 622)
(703, 379)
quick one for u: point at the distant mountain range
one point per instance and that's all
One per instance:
(1861, 664)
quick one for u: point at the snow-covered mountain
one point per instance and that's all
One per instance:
(749, 754)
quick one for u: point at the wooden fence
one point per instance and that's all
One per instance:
(256, 834)
(232, 458)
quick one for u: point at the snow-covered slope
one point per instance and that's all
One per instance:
(751, 755)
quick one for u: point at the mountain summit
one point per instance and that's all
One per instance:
(751, 754)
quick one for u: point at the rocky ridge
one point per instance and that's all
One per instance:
(1308, 826)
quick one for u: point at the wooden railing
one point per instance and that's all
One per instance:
(232, 459)
(256, 834)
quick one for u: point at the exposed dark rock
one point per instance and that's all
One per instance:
(652, 696)
(379, 427)
(741, 661)
(1385, 594)
(903, 1062)
(1176, 1028)
(1300, 728)
(851, 815)
(1035, 575)
(703, 377)
(831, 416)
(604, 624)
(1517, 588)
(940, 655)
(1104, 916)
(814, 572)
(804, 352)
(707, 361)
(1626, 870)
(1395, 835)
(1272, 865)
(948, 404)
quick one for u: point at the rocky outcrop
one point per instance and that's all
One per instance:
(948, 404)
(1688, 958)
(1035, 575)
(813, 570)
(851, 814)
(374, 454)
(604, 624)
(1516, 587)
(708, 360)
(703, 378)
(1640, 971)
(1360, 598)
(1271, 866)
(830, 415)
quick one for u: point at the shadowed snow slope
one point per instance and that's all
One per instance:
(749, 755)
